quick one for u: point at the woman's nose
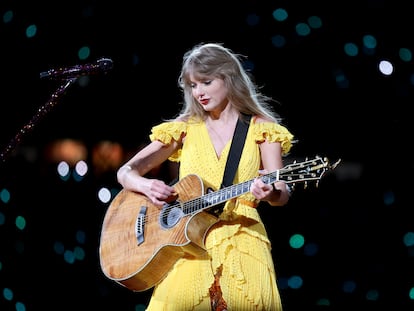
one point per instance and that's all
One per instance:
(198, 91)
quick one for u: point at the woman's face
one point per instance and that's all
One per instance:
(211, 93)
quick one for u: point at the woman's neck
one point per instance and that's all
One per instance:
(226, 116)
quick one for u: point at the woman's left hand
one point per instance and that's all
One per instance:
(261, 190)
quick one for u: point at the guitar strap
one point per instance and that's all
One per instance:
(239, 137)
(236, 148)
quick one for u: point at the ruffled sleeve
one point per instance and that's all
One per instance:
(273, 132)
(167, 131)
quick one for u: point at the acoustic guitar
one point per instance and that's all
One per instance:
(140, 242)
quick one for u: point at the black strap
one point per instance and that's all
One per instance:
(236, 148)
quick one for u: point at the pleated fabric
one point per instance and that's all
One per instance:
(239, 244)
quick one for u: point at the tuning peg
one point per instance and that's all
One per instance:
(335, 164)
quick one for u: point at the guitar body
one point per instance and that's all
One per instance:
(139, 245)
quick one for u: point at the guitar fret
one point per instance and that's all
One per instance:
(223, 194)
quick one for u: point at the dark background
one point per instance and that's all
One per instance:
(358, 218)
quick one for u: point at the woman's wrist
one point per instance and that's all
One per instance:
(288, 188)
(277, 190)
(279, 196)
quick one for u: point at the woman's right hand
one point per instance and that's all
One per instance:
(158, 191)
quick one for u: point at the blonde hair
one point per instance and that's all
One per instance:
(215, 60)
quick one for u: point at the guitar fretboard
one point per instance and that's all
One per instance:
(222, 195)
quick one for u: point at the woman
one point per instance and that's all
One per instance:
(236, 272)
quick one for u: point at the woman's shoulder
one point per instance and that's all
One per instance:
(264, 120)
(259, 119)
(262, 124)
(272, 131)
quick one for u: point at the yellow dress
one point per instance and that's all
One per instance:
(239, 244)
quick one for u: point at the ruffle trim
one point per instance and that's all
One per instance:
(168, 131)
(228, 253)
(273, 132)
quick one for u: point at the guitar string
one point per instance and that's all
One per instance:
(211, 198)
(188, 206)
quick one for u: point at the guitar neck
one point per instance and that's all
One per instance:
(222, 195)
(309, 170)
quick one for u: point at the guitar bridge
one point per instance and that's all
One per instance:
(139, 225)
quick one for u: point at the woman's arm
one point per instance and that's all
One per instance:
(277, 194)
(131, 174)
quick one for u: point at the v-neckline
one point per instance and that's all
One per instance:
(218, 156)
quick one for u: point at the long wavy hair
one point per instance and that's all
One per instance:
(213, 60)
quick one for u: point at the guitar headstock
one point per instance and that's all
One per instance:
(308, 170)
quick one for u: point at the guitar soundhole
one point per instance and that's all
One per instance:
(170, 216)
